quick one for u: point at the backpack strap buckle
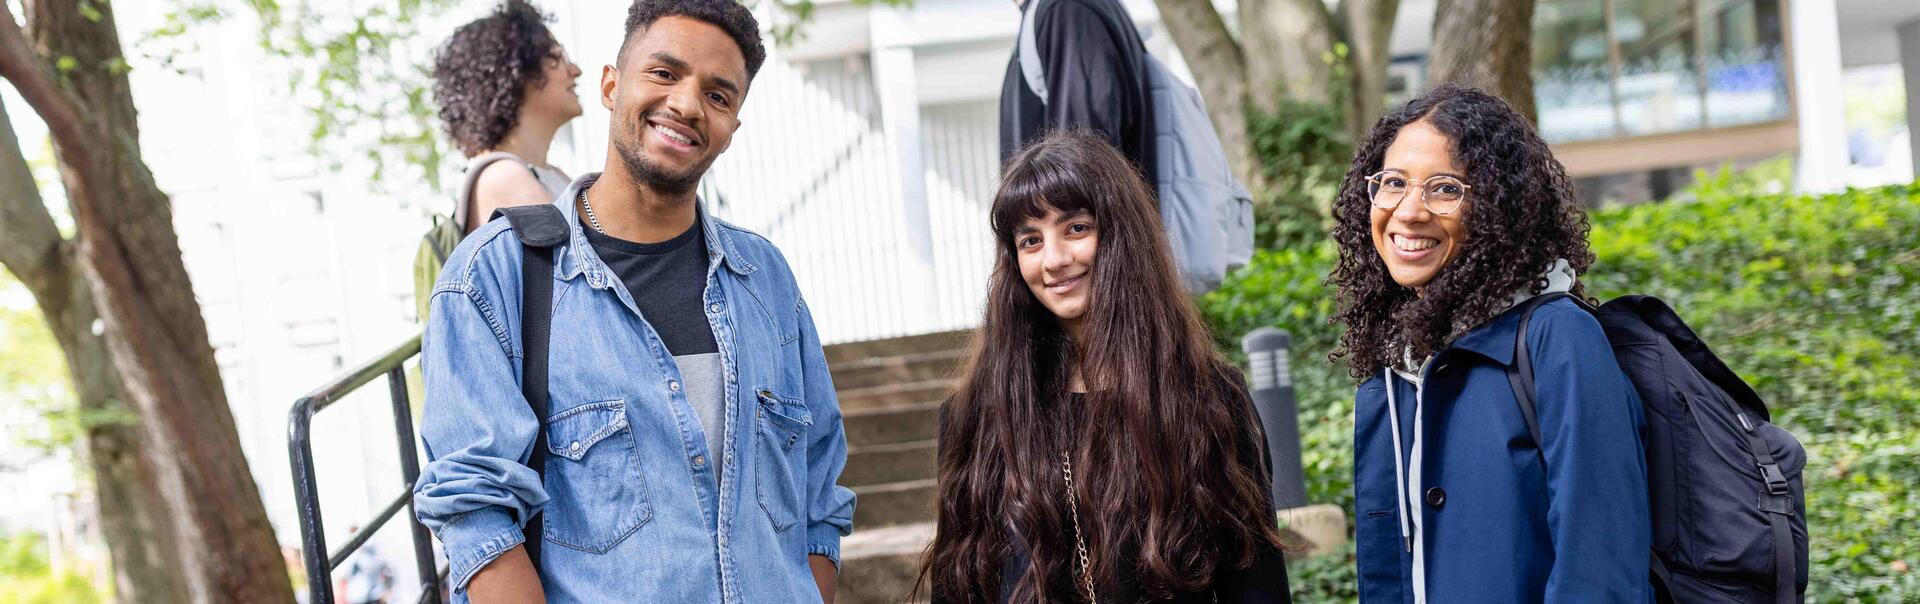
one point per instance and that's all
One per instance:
(1776, 481)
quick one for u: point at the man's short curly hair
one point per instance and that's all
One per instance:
(1521, 216)
(728, 15)
(481, 73)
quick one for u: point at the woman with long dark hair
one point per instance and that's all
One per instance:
(1453, 213)
(1097, 448)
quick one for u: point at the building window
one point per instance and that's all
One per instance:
(1613, 68)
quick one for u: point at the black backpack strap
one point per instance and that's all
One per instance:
(540, 228)
(1778, 505)
(1520, 371)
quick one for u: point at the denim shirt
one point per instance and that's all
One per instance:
(634, 509)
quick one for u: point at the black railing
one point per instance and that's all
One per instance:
(313, 537)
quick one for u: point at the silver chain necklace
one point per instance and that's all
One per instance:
(588, 206)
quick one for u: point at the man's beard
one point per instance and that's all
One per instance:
(651, 175)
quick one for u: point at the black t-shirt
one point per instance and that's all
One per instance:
(668, 281)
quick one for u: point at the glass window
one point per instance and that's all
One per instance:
(1606, 68)
(1572, 87)
(1745, 64)
(1659, 82)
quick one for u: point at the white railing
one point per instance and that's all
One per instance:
(816, 173)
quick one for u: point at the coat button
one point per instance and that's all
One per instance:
(1436, 497)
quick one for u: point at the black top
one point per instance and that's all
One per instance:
(1096, 74)
(1263, 582)
(667, 281)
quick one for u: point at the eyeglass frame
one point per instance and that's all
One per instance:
(1374, 181)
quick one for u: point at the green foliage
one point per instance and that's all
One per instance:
(1303, 151)
(33, 374)
(1815, 300)
(27, 577)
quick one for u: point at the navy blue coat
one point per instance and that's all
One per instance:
(1498, 525)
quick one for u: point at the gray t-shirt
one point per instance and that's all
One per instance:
(668, 282)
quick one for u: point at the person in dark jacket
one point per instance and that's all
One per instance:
(1096, 79)
(1453, 212)
(1097, 449)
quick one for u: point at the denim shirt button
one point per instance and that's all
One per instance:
(715, 308)
(699, 461)
(673, 385)
(574, 448)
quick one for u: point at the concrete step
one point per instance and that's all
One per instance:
(902, 393)
(854, 351)
(879, 566)
(892, 504)
(914, 367)
(892, 424)
(889, 463)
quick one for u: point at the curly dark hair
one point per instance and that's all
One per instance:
(728, 15)
(1521, 216)
(481, 73)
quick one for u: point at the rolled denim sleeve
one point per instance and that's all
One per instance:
(1592, 431)
(476, 490)
(830, 506)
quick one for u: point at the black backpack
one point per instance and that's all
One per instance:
(1729, 511)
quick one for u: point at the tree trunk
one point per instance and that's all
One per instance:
(1219, 71)
(155, 334)
(1289, 46)
(1488, 44)
(1369, 27)
(130, 510)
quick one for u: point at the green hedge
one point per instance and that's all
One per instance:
(1815, 300)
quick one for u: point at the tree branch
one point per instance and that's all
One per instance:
(66, 118)
(1487, 44)
(29, 241)
(1288, 57)
(1369, 28)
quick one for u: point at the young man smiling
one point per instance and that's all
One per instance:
(693, 436)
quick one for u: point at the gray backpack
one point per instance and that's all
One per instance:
(1207, 213)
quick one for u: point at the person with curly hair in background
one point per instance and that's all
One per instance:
(505, 86)
(1453, 212)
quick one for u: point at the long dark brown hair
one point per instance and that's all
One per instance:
(1522, 214)
(1167, 449)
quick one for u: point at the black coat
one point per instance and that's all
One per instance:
(1096, 73)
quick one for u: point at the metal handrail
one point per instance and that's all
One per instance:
(320, 563)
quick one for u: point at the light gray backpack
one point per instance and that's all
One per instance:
(1207, 213)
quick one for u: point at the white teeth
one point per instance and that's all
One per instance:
(673, 136)
(1411, 244)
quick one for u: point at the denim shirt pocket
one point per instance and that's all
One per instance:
(780, 434)
(597, 496)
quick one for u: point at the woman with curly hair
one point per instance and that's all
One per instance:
(505, 86)
(1097, 449)
(1454, 212)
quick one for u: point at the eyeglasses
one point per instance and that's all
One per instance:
(1440, 194)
